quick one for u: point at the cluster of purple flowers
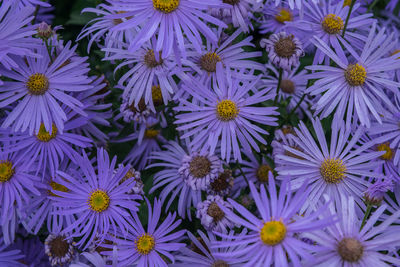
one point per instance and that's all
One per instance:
(227, 133)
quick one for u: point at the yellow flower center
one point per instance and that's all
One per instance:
(150, 59)
(166, 6)
(144, 244)
(346, 3)
(156, 95)
(58, 187)
(151, 133)
(273, 232)
(227, 110)
(99, 201)
(333, 171)
(209, 61)
(385, 147)
(355, 74)
(332, 24)
(6, 170)
(44, 135)
(262, 173)
(37, 84)
(283, 15)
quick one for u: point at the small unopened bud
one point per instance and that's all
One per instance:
(375, 193)
(44, 30)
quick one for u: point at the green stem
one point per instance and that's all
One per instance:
(48, 49)
(298, 105)
(348, 17)
(279, 86)
(367, 212)
(35, 15)
(241, 172)
(372, 5)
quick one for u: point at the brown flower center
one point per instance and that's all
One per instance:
(262, 173)
(350, 249)
(220, 263)
(59, 247)
(285, 47)
(199, 166)
(287, 86)
(215, 212)
(141, 106)
(209, 61)
(224, 181)
(150, 59)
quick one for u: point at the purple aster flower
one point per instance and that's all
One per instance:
(229, 52)
(16, 33)
(275, 18)
(148, 69)
(60, 250)
(335, 170)
(355, 86)
(202, 253)
(16, 185)
(283, 137)
(98, 199)
(97, 111)
(390, 133)
(284, 50)
(95, 259)
(293, 85)
(345, 244)
(33, 251)
(10, 258)
(236, 12)
(101, 29)
(376, 192)
(292, 3)
(256, 170)
(48, 149)
(29, 3)
(226, 116)
(137, 188)
(145, 247)
(275, 234)
(211, 216)
(222, 185)
(185, 173)
(41, 208)
(326, 20)
(170, 20)
(41, 85)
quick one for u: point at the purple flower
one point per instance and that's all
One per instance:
(41, 85)
(355, 86)
(222, 117)
(376, 192)
(275, 18)
(256, 170)
(335, 169)
(148, 69)
(275, 235)
(203, 254)
(326, 20)
(145, 247)
(211, 215)
(97, 198)
(10, 258)
(345, 244)
(15, 34)
(60, 249)
(170, 20)
(185, 174)
(284, 50)
(16, 186)
(33, 251)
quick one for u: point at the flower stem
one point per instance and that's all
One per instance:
(372, 5)
(241, 172)
(48, 49)
(279, 86)
(367, 212)
(348, 17)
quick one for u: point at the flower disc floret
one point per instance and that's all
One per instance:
(355, 75)
(150, 59)
(166, 6)
(385, 147)
(37, 84)
(227, 110)
(262, 173)
(284, 15)
(144, 244)
(99, 201)
(57, 187)
(220, 263)
(151, 133)
(333, 171)
(350, 249)
(273, 232)
(44, 135)
(287, 86)
(209, 61)
(200, 166)
(6, 170)
(215, 212)
(285, 47)
(332, 24)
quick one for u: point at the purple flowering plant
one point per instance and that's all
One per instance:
(212, 133)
